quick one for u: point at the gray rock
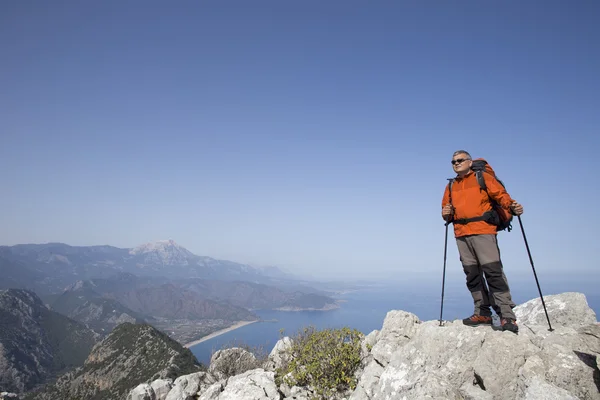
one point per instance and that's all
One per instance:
(279, 356)
(212, 392)
(472, 391)
(368, 382)
(256, 384)
(369, 341)
(187, 387)
(566, 309)
(538, 389)
(415, 361)
(398, 328)
(285, 389)
(409, 359)
(179, 393)
(161, 388)
(231, 362)
(366, 346)
(298, 393)
(142, 392)
(590, 336)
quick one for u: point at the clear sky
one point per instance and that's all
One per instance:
(311, 135)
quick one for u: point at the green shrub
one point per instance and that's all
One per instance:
(325, 360)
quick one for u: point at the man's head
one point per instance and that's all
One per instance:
(461, 162)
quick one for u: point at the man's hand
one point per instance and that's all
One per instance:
(516, 208)
(447, 211)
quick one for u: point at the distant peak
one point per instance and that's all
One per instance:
(155, 245)
(166, 249)
(79, 286)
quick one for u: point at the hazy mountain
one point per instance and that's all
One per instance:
(130, 355)
(50, 268)
(172, 302)
(139, 280)
(17, 274)
(82, 303)
(255, 295)
(60, 264)
(237, 293)
(37, 343)
(163, 252)
(102, 302)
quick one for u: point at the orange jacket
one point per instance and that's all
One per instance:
(470, 201)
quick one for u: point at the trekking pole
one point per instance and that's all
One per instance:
(444, 273)
(534, 274)
(446, 246)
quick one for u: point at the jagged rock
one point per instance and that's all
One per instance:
(367, 344)
(142, 392)
(279, 356)
(456, 361)
(472, 391)
(400, 328)
(212, 393)
(256, 384)
(590, 337)
(298, 393)
(410, 359)
(568, 309)
(368, 381)
(538, 389)
(230, 362)
(188, 386)
(161, 388)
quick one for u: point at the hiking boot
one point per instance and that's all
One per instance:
(476, 320)
(509, 324)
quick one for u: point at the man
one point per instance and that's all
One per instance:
(477, 242)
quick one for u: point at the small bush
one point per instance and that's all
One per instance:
(323, 360)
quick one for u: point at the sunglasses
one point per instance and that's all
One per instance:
(459, 161)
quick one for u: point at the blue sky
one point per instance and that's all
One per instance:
(315, 136)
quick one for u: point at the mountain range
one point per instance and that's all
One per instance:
(103, 286)
(48, 268)
(59, 300)
(51, 268)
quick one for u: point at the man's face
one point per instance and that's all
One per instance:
(461, 163)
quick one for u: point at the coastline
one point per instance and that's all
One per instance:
(219, 332)
(327, 307)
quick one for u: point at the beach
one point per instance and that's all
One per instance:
(220, 332)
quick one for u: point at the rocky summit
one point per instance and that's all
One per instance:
(413, 359)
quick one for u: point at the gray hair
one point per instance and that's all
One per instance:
(457, 152)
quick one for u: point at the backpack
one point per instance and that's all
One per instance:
(499, 216)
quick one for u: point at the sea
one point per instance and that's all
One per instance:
(365, 309)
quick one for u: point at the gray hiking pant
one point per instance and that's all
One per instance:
(480, 257)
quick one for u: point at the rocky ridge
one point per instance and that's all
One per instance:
(37, 343)
(413, 359)
(130, 353)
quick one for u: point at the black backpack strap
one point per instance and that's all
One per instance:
(487, 216)
(481, 180)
